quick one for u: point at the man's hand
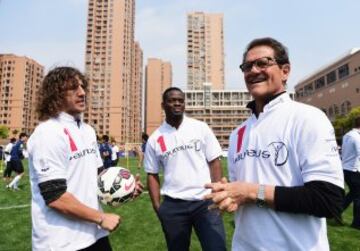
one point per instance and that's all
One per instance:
(229, 196)
(109, 222)
(138, 186)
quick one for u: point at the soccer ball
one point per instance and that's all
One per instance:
(116, 186)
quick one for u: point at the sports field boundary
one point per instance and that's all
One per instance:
(28, 205)
(15, 207)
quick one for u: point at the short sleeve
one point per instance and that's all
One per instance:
(357, 145)
(151, 163)
(99, 162)
(316, 146)
(48, 156)
(8, 148)
(211, 144)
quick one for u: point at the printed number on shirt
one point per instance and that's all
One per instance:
(161, 142)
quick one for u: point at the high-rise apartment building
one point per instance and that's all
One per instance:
(136, 95)
(334, 88)
(158, 77)
(205, 50)
(20, 79)
(222, 110)
(111, 62)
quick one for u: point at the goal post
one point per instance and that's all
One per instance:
(133, 151)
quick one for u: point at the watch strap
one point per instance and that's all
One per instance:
(260, 198)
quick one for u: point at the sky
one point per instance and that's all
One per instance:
(316, 32)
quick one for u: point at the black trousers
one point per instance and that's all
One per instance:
(7, 172)
(17, 166)
(352, 179)
(178, 217)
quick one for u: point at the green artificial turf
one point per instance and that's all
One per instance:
(139, 230)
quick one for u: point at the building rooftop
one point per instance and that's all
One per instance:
(328, 65)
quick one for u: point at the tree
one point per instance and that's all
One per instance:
(344, 124)
(4, 132)
(15, 132)
(354, 113)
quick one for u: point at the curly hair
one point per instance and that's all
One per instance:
(53, 90)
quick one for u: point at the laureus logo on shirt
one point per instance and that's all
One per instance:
(333, 149)
(281, 153)
(277, 151)
(194, 144)
(83, 153)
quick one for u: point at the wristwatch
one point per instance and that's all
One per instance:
(260, 198)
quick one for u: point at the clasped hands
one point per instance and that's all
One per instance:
(229, 196)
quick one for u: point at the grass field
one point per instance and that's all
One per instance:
(140, 229)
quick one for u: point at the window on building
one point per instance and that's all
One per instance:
(299, 93)
(345, 107)
(343, 71)
(331, 111)
(334, 110)
(308, 89)
(331, 77)
(320, 82)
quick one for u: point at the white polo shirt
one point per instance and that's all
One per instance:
(351, 151)
(114, 152)
(183, 154)
(287, 145)
(59, 149)
(7, 149)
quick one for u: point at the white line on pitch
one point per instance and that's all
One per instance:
(13, 207)
(28, 205)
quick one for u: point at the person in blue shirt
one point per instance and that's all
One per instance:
(145, 138)
(16, 156)
(105, 151)
(141, 153)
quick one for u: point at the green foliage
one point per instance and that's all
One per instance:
(354, 113)
(15, 132)
(4, 132)
(343, 124)
(140, 228)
